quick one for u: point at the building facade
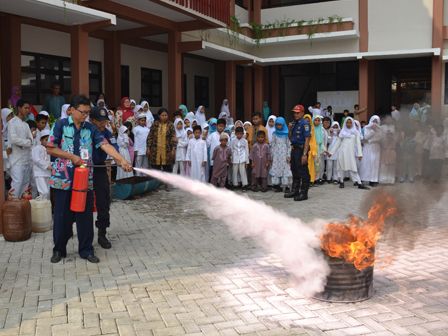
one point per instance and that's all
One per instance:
(199, 52)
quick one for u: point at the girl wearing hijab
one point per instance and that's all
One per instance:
(162, 143)
(348, 140)
(131, 141)
(125, 113)
(183, 109)
(137, 110)
(133, 103)
(225, 107)
(181, 151)
(239, 123)
(266, 111)
(15, 96)
(246, 126)
(281, 156)
(370, 165)
(321, 145)
(212, 124)
(332, 164)
(7, 115)
(64, 109)
(148, 113)
(189, 119)
(312, 153)
(123, 142)
(271, 127)
(200, 115)
(415, 112)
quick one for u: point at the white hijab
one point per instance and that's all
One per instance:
(182, 132)
(64, 111)
(359, 129)
(123, 138)
(204, 126)
(190, 116)
(242, 125)
(348, 132)
(200, 117)
(149, 116)
(225, 108)
(269, 128)
(223, 113)
(371, 123)
(100, 101)
(132, 101)
(136, 109)
(5, 113)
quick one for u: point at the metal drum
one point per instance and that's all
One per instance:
(346, 283)
(135, 186)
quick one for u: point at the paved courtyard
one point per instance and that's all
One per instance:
(173, 271)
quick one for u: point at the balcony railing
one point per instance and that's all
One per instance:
(216, 9)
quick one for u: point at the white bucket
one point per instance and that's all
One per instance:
(41, 217)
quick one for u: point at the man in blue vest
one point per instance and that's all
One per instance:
(300, 136)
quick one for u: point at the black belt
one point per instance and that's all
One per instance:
(298, 146)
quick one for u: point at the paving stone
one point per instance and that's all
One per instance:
(173, 271)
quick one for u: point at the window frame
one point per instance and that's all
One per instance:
(151, 97)
(40, 92)
(199, 98)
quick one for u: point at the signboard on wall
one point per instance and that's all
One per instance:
(339, 100)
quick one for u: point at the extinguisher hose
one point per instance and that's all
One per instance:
(102, 166)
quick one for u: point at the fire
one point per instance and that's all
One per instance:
(355, 240)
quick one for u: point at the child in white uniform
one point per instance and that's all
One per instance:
(140, 144)
(182, 143)
(42, 166)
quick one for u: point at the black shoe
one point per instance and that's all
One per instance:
(341, 185)
(320, 182)
(303, 196)
(287, 190)
(244, 188)
(232, 187)
(264, 190)
(57, 256)
(254, 189)
(102, 240)
(93, 259)
(355, 184)
(362, 186)
(375, 184)
(371, 184)
(277, 188)
(295, 189)
(346, 179)
(335, 182)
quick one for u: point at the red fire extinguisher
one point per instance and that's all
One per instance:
(79, 188)
(27, 194)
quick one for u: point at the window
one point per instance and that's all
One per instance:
(201, 91)
(39, 71)
(125, 80)
(152, 86)
(279, 3)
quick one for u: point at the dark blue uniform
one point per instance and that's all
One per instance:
(301, 130)
(101, 185)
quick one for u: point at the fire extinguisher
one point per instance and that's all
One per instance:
(79, 188)
(27, 194)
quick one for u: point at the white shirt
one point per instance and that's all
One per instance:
(141, 138)
(437, 147)
(20, 140)
(240, 151)
(41, 161)
(315, 111)
(396, 115)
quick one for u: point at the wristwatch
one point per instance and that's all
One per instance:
(305, 154)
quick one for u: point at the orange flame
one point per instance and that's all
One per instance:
(355, 240)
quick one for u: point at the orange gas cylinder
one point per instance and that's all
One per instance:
(79, 189)
(17, 224)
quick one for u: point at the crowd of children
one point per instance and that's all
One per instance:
(245, 155)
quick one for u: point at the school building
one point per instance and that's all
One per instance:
(285, 52)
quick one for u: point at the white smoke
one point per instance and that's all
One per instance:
(289, 238)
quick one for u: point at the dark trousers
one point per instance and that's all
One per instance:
(210, 174)
(101, 187)
(63, 221)
(425, 164)
(259, 180)
(299, 171)
(435, 167)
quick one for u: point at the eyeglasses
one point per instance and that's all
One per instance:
(82, 112)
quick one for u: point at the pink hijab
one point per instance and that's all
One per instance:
(14, 98)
